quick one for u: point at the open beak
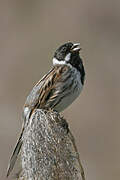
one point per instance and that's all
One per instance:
(76, 47)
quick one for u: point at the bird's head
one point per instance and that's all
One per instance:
(68, 53)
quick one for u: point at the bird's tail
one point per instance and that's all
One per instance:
(15, 154)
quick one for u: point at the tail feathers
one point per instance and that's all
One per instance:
(14, 155)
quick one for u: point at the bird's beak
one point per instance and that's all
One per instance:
(76, 47)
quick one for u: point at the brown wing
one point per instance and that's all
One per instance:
(44, 92)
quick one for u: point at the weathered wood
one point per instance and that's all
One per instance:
(49, 151)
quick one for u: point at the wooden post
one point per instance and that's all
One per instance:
(49, 151)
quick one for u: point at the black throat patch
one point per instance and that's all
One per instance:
(76, 62)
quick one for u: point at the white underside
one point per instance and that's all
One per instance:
(68, 100)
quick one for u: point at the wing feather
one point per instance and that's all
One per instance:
(15, 154)
(46, 90)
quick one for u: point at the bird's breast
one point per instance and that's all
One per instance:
(74, 90)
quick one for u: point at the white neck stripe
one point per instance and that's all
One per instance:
(55, 61)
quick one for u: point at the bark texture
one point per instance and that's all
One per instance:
(49, 151)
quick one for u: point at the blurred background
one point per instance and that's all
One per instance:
(30, 32)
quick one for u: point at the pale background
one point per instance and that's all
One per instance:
(30, 31)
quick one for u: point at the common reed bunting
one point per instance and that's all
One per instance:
(57, 89)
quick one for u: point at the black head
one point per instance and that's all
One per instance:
(62, 51)
(69, 54)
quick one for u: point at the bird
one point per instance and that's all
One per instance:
(56, 90)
